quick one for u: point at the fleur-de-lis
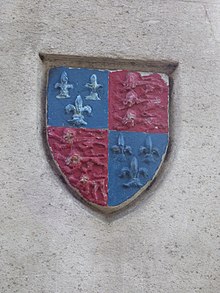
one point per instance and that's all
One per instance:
(133, 173)
(93, 86)
(64, 86)
(150, 153)
(78, 109)
(121, 148)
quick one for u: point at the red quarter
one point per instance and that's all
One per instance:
(82, 156)
(138, 103)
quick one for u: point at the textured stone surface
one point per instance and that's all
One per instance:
(138, 102)
(82, 156)
(49, 241)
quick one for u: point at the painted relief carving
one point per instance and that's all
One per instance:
(82, 156)
(63, 86)
(110, 139)
(121, 148)
(129, 119)
(140, 102)
(131, 99)
(150, 153)
(133, 80)
(133, 173)
(78, 109)
(93, 86)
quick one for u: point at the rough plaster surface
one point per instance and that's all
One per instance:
(49, 241)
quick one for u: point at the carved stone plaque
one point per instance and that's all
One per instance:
(107, 131)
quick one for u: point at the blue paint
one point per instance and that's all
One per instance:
(127, 176)
(133, 173)
(78, 97)
(94, 88)
(149, 152)
(63, 86)
(121, 148)
(78, 78)
(78, 110)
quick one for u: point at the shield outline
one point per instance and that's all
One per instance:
(169, 67)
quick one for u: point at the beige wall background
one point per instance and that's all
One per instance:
(168, 241)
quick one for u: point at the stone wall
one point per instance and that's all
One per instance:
(167, 241)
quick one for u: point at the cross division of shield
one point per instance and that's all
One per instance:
(107, 131)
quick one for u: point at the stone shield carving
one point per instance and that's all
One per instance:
(107, 131)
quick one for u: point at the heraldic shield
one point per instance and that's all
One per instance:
(107, 131)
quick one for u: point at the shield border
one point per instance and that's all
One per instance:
(170, 68)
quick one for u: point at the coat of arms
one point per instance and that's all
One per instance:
(107, 131)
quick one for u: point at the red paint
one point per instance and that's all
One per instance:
(82, 156)
(138, 103)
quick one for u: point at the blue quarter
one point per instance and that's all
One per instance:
(134, 158)
(60, 107)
